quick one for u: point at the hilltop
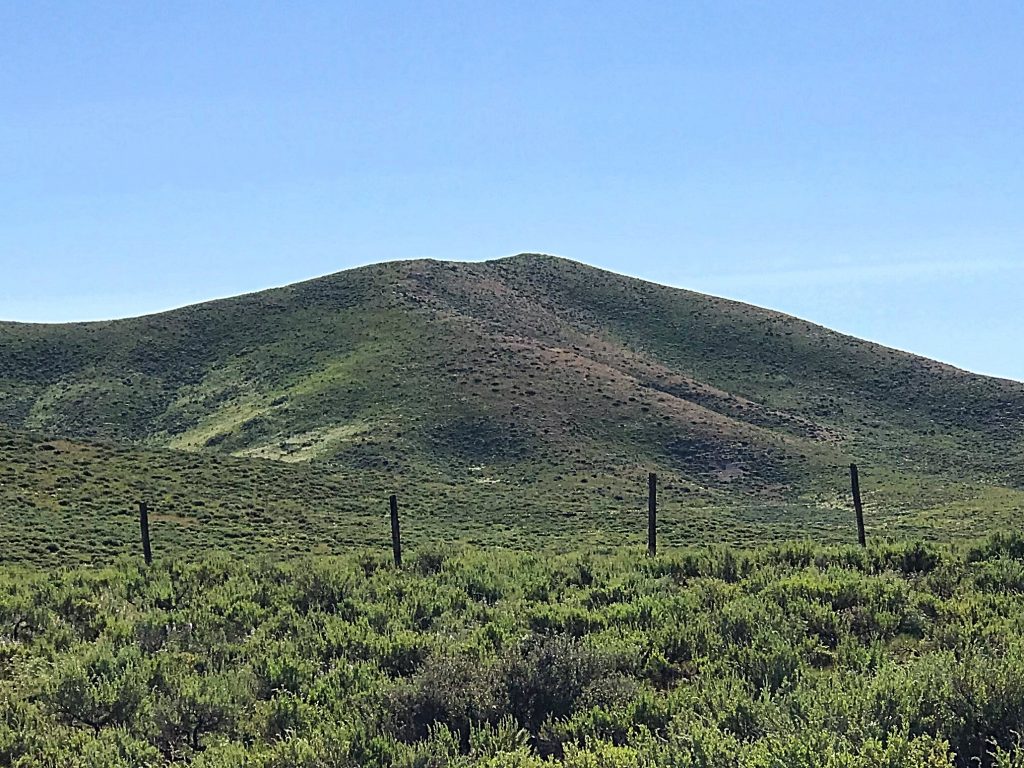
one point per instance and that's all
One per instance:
(521, 386)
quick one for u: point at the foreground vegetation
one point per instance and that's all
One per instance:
(796, 655)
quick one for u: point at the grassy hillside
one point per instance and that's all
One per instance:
(903, 656)
(526, 396)
(65, 502)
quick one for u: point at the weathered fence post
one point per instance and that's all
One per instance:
(396, 537)
(652, 514)
(147, 553)
(855, 484)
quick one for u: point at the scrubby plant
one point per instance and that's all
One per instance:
(903, 655)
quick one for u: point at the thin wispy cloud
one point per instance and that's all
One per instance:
(847, 274)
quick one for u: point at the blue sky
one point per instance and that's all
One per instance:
(858, 164)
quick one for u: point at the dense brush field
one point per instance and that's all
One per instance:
(796, 655)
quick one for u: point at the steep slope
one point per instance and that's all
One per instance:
(530, 370)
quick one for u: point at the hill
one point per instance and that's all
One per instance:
(506, 388)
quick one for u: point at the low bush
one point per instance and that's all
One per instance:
(903, 655)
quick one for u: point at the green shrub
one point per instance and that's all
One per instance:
(796, 655)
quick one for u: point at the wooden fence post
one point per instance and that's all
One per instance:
(855, 485)
(652, 514)
(147, 553)
(396, 537)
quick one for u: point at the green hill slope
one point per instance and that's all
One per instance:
(528, 380)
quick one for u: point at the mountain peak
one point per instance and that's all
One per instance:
(531, 258)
